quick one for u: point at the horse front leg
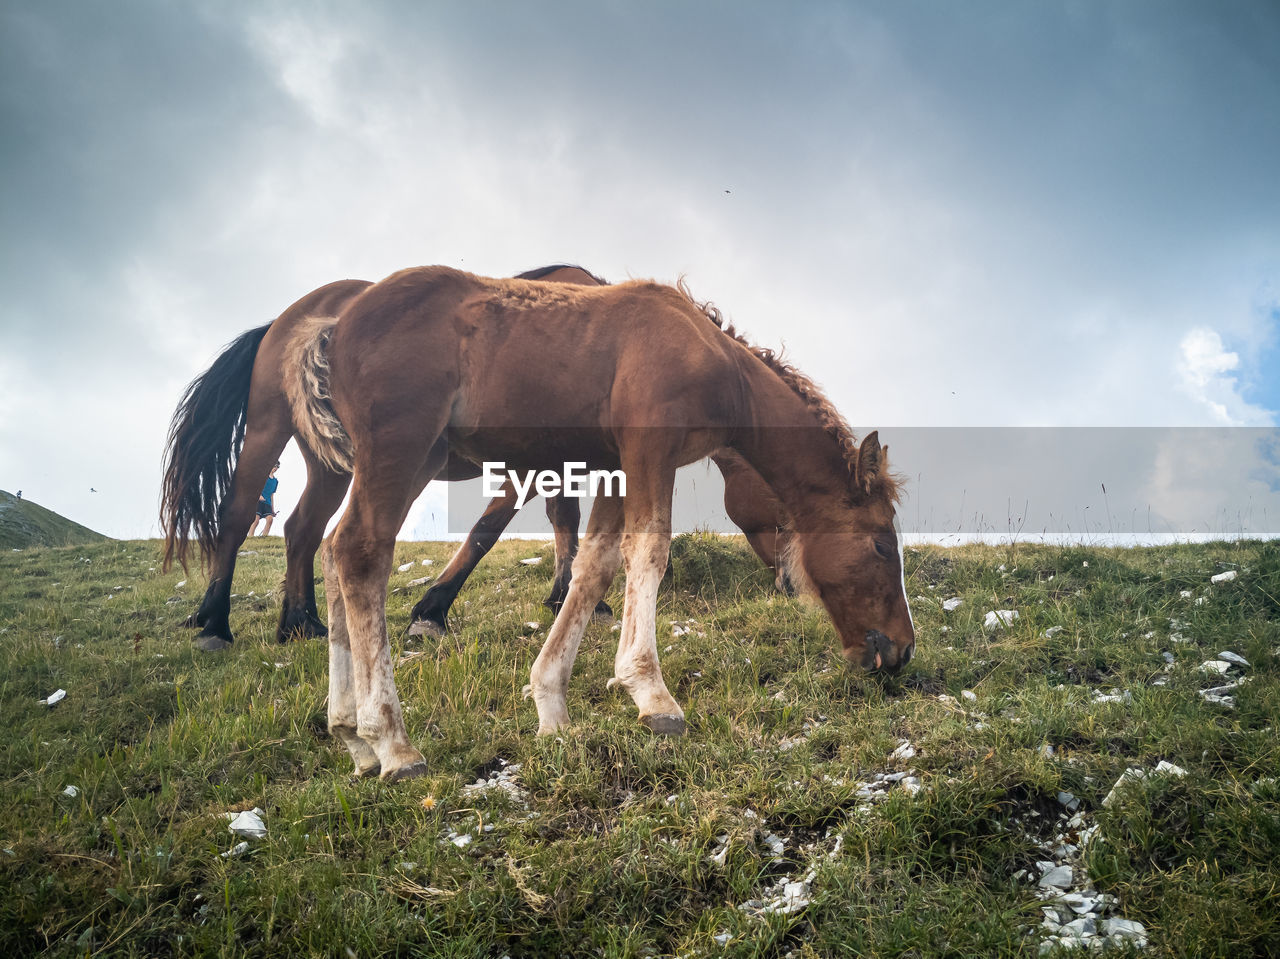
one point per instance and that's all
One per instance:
(646, 545)
(430, 614)
(299, 617)
(593, 570)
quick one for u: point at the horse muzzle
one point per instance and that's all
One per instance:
(880, 653)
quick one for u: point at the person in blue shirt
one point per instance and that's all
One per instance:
(266, 505)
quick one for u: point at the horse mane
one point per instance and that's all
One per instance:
(815, 401)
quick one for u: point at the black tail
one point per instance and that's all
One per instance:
(204, 442)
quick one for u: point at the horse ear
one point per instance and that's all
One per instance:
(871, 462)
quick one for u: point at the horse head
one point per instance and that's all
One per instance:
(852, 561)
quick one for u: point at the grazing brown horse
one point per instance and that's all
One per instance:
(234, 421)
(433, 363)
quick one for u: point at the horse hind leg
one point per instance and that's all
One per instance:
(299, 616)
(385, 486)
(342, 700)
(262, 447)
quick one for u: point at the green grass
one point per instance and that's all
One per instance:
(622, 844)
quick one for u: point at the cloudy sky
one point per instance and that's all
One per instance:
(952, 215)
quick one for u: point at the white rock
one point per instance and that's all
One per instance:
(428, 562)
(531, 561)
(1131, 775)
(1127, 928)
(248, 823)
(404, 568)
(239, 849)
(1124, 696)
(1234, 658)
(1226, 577)
(55, 697)
(422, 581)
(532, 626)
(1053, 631)
(71, 792)
(1185, 594)
(998, 618)
(1216, 666)
(1169, 769)
(1069, 801)
(904, 751)
(1083, 928)
(950, 605)
(1059, 877)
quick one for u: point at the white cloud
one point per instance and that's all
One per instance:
(1204, 367)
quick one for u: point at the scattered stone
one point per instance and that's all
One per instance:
(1069, 801)
(999, 619)
(1235, 659)
(1057, 877)
(1123, 696)
(248, 823)
(968, 695)
(904, 750)
(420, 581)
(71, 792)
(503, 781)
(239, 849)
(950, 605)
(1053, 631)
(531, 561)
(404, 567)
(1215, 666)
(1226, 577)
(55, 697)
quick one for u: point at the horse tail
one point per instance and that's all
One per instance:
(306, 383)
(204, 443)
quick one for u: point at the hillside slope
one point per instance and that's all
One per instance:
(24, 523)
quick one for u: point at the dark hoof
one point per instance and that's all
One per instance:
(368, 772)
(664, 725)
(425, 627)
(212, 644)
(412, 771)
(603, 611)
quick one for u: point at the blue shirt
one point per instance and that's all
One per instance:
(269, 490)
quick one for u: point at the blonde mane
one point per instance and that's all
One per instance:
(815, 401)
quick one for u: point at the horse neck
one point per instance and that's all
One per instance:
(787, 446)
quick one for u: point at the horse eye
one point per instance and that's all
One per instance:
(884, 551)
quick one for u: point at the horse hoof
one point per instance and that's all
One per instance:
(425, 627)
(603, 611)
(664, 725)
(212, 644)
(411, 771)
(368, 772)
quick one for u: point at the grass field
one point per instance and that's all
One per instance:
(809, 812)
